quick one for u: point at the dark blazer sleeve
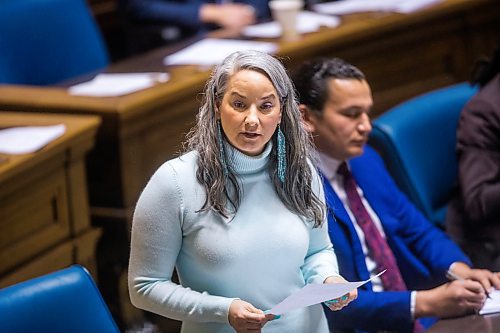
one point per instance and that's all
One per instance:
(373, 311)
(478, 148)
(261, 7)
(183, 14)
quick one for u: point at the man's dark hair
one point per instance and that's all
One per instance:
(311, 79)
(486, 69)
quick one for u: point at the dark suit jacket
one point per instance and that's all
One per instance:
(474, 215)
(423, 252)
(478, 151)
(182, 13)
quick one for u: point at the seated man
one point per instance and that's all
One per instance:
(195, 16)
(372, 224)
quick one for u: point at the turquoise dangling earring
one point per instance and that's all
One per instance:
(221, 148)
(281, 155)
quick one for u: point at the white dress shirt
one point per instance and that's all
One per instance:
(328, 167)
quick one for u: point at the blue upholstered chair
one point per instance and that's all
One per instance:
(66, 301)
(417, 142)
(47, 41)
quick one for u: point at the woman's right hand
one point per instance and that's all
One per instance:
(244, 317)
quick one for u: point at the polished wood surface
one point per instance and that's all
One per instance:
(402, 55)
(468, 324)
(44, 210)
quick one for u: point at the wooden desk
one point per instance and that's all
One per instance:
(469, 324)
(44, 210)
(402, 55)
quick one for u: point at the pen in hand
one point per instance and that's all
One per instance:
(452, 276)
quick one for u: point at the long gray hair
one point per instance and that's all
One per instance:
(296, 192)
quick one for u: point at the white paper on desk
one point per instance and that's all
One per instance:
(358, 6)
(407, 6)
(312, 294)
(117, 84)
(492, 305)
(28, 139)
(212, 51)
(306, 22)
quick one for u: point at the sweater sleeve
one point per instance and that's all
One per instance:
(321, 261)
(155, 244)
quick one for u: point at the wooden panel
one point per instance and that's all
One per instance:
(408, 63)
(33, 219)
(85, 250)
(478, 36)
(158, 138)
(78, 204)
(43, 198)
(57, 258)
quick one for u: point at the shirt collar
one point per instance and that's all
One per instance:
(328, 165)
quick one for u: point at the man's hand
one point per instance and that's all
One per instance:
(453, 299)
(244, 317)
(234, 16)
(486, 278)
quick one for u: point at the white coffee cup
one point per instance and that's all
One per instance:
(285, 12)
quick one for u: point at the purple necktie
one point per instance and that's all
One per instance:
(377, 246)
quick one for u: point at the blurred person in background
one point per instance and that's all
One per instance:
(174, 20)
(473, 218)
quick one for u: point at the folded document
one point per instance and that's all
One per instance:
(312, 294)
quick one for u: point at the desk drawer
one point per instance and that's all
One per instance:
(52, 260)
(33, 218)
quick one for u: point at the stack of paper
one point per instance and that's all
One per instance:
(356, 6)
(210, 51)
(492, 304)
(110, 84)
(306, 22)
(28, 139)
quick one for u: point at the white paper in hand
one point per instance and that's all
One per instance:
(316, 293)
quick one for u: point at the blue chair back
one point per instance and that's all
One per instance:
(417, 141)
(47, 41)
(60, 302)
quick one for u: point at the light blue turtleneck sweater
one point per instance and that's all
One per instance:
(261, 256)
